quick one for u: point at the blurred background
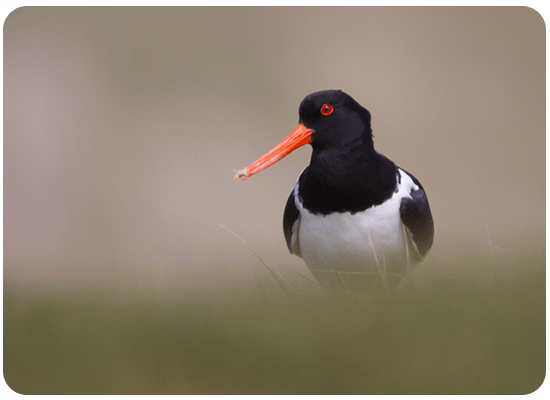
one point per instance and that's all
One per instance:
(122, 130)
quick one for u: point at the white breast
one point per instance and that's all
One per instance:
(367, 242)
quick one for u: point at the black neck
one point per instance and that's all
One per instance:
(339, 180)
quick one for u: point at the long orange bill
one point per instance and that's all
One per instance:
(298, 137)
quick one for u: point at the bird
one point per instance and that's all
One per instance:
(360, 223)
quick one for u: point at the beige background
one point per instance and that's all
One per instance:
(122, 128)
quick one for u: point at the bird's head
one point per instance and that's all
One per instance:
(328, 119)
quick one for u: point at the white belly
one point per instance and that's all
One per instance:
(342, 247)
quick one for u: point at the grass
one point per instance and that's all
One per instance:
(450, 334)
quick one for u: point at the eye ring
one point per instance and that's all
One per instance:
(327, 109)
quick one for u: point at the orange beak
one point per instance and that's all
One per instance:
(297, 138)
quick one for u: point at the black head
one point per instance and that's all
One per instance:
(335, 125)
(337, 119)
(345, 172)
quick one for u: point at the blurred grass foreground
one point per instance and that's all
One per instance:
(450, 333)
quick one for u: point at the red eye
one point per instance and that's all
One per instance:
(326, 109)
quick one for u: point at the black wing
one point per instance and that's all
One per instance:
(291, 222)
(417, 217)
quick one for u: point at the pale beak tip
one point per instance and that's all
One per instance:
(241, 175)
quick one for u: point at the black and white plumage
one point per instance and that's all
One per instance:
(352, 250)
(359, 222)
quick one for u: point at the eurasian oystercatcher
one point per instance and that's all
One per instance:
(359, 222)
